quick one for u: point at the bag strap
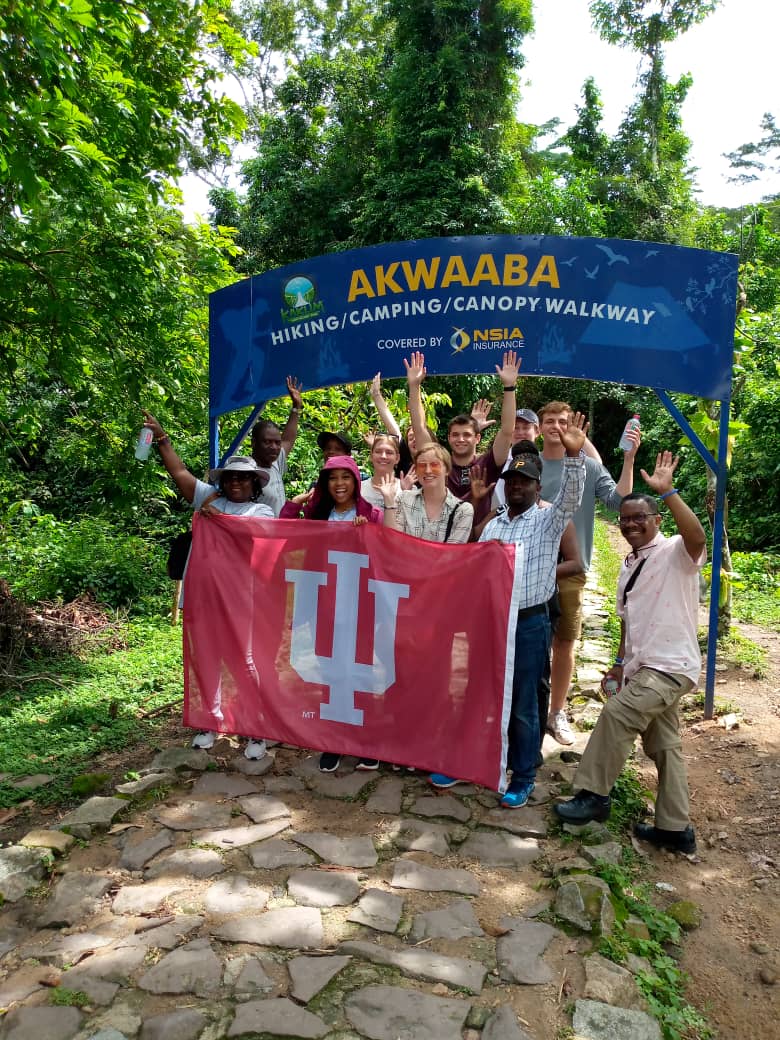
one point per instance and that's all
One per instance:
(450, 521)
(632, 580)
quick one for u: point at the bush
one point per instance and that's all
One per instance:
(48, 559)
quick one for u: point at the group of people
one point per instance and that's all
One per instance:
(545, 501)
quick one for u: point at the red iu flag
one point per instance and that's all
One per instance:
(355, 640)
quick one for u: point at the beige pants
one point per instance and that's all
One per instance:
(646, 706)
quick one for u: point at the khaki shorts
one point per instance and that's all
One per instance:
(570, 592)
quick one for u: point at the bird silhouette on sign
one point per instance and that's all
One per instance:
(568, 263)
(662, 309)
(612, 256)
(593, 273)
(651, 252)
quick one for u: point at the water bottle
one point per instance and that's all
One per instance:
(144, 443)
(633, 424)
(611, 686)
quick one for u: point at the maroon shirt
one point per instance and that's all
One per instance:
(459, 481)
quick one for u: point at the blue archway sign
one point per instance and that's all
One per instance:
(629, 312)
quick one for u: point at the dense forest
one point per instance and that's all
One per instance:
(362, 122)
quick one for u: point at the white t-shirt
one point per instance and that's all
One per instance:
(273, 492)
(374, 495)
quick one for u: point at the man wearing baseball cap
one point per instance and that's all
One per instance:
(526, 429)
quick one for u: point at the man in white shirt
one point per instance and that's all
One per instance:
(271, 446)
(658, 661)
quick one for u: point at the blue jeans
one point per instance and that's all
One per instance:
(532, 649)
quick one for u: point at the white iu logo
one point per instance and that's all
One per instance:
(341, 672)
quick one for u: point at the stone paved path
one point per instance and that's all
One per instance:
(218, 898)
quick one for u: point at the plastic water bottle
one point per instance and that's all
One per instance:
(611, 686)
(144, 443)
(625, 442)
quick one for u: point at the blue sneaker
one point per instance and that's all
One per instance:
(440, 780)
(517, 796)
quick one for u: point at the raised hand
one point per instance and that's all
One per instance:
(479, 486)
(303, 498)
(662, 478)
(573, 438)
(408, 479)
(152, 423)
(415, 369)
(480, 411)
(387, 489)
(376, 386)
(635, 437)
(509, 371)
(294, 390)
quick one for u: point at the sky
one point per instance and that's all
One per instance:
(731, 56)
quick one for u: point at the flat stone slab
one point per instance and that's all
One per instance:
(67, 949)
(20, 984)
(283, 784)
(390, 1012)
(610, 983)
(163, 937)
(608, 852)
(173, 758)
(248, 977)
(279, 1016)
(35, 1023)
(442, 805)
(141, 846)
(456, 921)
(254, 767)
(235, 895)
(31, 782)
(500, 850)
(322, 888)
(187, 1024)
(342, 852)
(263, 807)
(596, 1021)
(193, 815)
(75, 897)
(100, 991)
(146, 783)
(196, 863)
(193, 968)
(241, 835)
(423, 964)
(503, 1025)
(584, 900)
(525, 822)
(293, 928)
(55, 841)
(378, 910)
(96, 812)
(309, 975)
(420, 836)
(519, 953)
(227, 784)
(408, 874)
(145, 898)
(387, 797)
(278, 852)
(329, 786)
(20, 869)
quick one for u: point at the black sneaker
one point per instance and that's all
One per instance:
(674, 841)
(329, 762)
(367, 764)
(584, 807)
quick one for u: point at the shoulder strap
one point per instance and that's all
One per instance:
(632, 580)
(450, 521)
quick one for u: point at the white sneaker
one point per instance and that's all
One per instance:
(558, 726)
(204, 740)
(255, 749)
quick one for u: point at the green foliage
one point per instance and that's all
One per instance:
(62, 997)
(756, 584)
(629, 801)
(58, 723)
(55, 559)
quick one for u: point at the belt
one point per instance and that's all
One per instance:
(540, 608)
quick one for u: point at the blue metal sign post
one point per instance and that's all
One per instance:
(630, 312)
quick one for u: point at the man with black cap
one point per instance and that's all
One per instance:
(332, 444)
(537, 533)
(271, 446)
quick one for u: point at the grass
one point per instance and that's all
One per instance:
(60, 713)
(606, 564)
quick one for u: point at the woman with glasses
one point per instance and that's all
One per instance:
(431, 511)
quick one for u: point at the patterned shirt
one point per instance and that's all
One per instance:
(537, 535)
(412, 518)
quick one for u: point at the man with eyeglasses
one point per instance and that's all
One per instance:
(658, 661)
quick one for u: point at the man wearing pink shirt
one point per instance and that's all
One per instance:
(658, 661)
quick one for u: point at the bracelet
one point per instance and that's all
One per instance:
(618, 661)
(668, 494)
(165, 439)
(296, 411)
(510, 389)
(390, 507)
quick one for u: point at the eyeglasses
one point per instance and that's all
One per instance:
(432, 467)
(236, 476)
(635, 518)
